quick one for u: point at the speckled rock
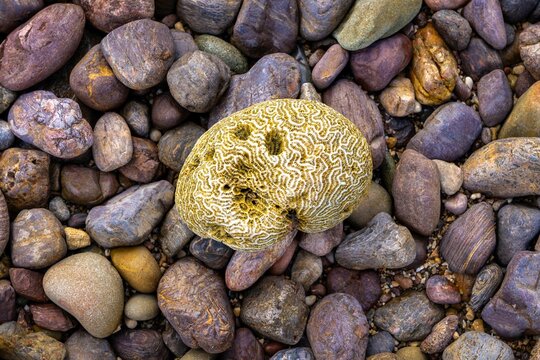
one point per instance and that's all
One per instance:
(212, 253)
(451, 176)
(302, 353)
(441, 291)
(86, 186)
(210, 18)
(141, 307)
(517, 227)
(113, 147)
(175, 145)
(88, 287)
(137, 117)
(494, 97)
(83, 346)
(245, 347)
(398, 98)
(139, 344)
(275, 308)
(144, 163)
(524, 120)
(223, 50)
(319, 18)
(486, 18)
(128, 218)
(453, 28)
(107, 16)
(363, 285)
(479, 59)
(28, 284)
(174, 233)
(486, 283)
(440, 336)
(477, 345)
(138, 267)
(322, 243)
(8, 310)
(16, 342)
(330, 66)
(375, 201)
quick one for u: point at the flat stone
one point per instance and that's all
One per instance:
(50, 317)
(524, 120)
(28, 284)
(477, 345)
(517, 227)
(113, 147)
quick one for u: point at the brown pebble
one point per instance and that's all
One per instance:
(28, 284)
(51, 317)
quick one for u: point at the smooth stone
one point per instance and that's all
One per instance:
(517, 227)
(381, 342)
(319, 18)
(17, 342)
(409, 317)
(141, 307)
(6, 135)
(421, 252)
(416, 192)
(363, 285)
(515, 11)
(15, 12)
(245, 347)
(479, 59)
(88, 287)
(8, 305)
(504, 168)
(223, 50)
(144, 163)
(437, 5)
(456, 204)
(330, 66)
(59, 208)
(77, 220)
(453, 28)
(266, 26)
(128, 218)
(524, 120)
(167, 113)
(83, 346)
(513, 311)
(28, 284)
(440, 336)
(486, 18)
(212, 253)
(381, 244)
(139, 344)
(37, 239)
(448, 133)
(302, 353)
(371, 20)
(441, 291)
(174, 233)
(136, 115)
(193, 299)
(398, 98)
(306, 269)
(350, 100)
(477, 345)
(113, 147)
(451, 176)
(205, 17)
(86, 186)
(176, 144)
(76, 238)
(375, 66)
(495, 100)
(51, 317)
(138, 267)
(275, 76)
(411, 353)
(375, 201)
(324, 242)
(183, 43)
(529, 46)
(107, 16)
(485, 285)
(275, 308)
(282, 264)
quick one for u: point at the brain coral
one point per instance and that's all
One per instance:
(255, 175)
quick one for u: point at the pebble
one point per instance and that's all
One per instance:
(28, 284)
(7, 97)
(448, 133)
(486, 283)
(307, 269)
(451, 176)
(245, 347)
(141, 307)
(300, 353)
(512, 312)
(319, 18)
(8, 305)
(453, 28)
(282, 264)
(176, 144)
(30, 55)
(322, 243)
(330, 66)
(113, 147)
(376, 65)
(479, 59)
(223, 50)
(138, 267)
(137, 65)
(338, 324)
(211, 18)
(167, 113)
(516, 11)
(59, 208)
(371, 20)
(139, 344)
(524, 120)
(16, 12)
(477, 345)
(76, 238)
(19, 343)
(441, 291)
(398, 99)
(193, 299)
(128, 218)
(174, 233)
(173, 341)
(106, 16)
(86, 186)
(83, 346)
(350, 100)
(381, 244)
(529, 45)
(363, 285)
(144, 163)
(197, 80)
(495, 98)
(416, 192)
(50, 317)
(523, 83)
(155, 135)
(470, 240)
(212, 253)
(6, 135)
(486, 18)
(265, 27)
(381, 342)
(88, 287)
(136, 115)
(456, 204)
(518, 226)
(410, 353)
(504, 168)
(375, 201)
(440, 336)
(275, 308)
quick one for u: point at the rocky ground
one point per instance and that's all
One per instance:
(102, 101)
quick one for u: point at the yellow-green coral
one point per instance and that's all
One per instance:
(260, 172)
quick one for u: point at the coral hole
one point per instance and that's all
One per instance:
(274, 142)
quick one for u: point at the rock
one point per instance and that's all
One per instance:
(450, 175)
(134, 63)
(376, 65)
(51, 124)
(410, 353)
(144, 163)
(504, 168)
(529, 46)
(524, 120)
(384, 356)
(15, 12)
(141, 307)
(363, 285)
(322, 243)
(475, 344)
(174, 233)
(441, 291)
(486, 283)
(437, 5)
(77, 220)
(434, 68)
(409, 317)
(76, 238)
(440, 336)
(175, 145)
(306, 269)
(416, 192)
(193, 299)
(330, 66)
(210, 18)
(246, 267)
(448, 133)
(166, 112)
(195, 354)
(28, 284)
(6, 135)
(50, 317)
(456, 204)
(486, 18)
(495, 98)
(197, 80)
(371, 20)
(349, 99)
(381, 342)
(453, 28)
(59, 208)
(319, 18)
(398, 99)
(7, 303)
(223, 50)
(282, 264)
(513, 310)
(302, 353)
(139, 344)
(7, 97)
(16, 342)
(265, 27)
(85, 186)
(93, 82)
(516, 11)
(4, 223)
(136, 115)
(107, 16)
(479, 59)
(113, 147)
(36, 50)
(212, 253)
(173, 341)
(517, 227)
(337, 325)
(83, 346)
(183, 43)
(88, 287)
(138, 267)
(128, 218)
(375, 201)
(523, 83)
(37, 239)
(245, 347)
(381, 244)
(275, 308)
(275, 76)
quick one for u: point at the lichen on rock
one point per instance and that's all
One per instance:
(276, 165)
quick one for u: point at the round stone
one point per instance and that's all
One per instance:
(141, 307)
(138, 267)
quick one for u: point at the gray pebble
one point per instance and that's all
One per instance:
(381, 342)
(59, 208)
